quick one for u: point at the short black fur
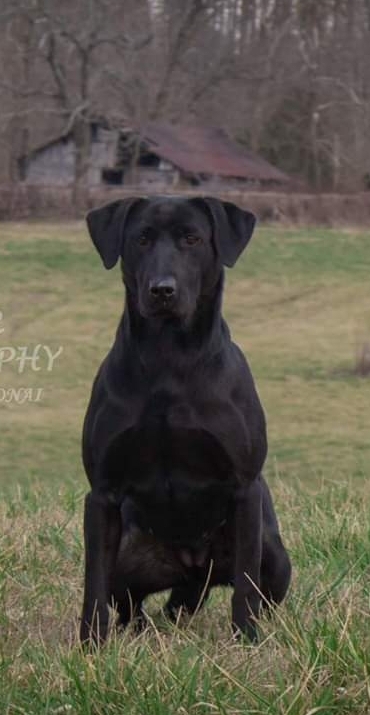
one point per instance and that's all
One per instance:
(174, 437)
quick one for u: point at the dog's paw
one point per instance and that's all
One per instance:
(93, 635)
(248, 633)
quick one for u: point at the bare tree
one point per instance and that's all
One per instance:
(288, 77)
(65, 53)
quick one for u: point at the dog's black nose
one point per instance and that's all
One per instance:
(163, 289)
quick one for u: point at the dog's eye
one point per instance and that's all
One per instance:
(143, 239)
(191, 240)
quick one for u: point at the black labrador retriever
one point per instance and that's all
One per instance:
(174, 438)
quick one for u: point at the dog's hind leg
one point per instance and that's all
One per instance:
(275, 571)
(129, 608)
(275, 564)
(190, 597)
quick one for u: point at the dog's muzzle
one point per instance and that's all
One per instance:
(162, 295)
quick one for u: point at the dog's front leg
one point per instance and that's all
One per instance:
(248, 553)
(102, 533)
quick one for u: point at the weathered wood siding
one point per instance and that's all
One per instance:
(55, 164)
(103, 154)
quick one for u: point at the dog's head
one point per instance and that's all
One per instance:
(173, 249)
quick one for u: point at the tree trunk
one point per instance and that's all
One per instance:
(82, 140)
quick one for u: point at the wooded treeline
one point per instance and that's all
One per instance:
(289, 78)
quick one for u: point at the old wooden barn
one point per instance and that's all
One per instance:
(162, 155)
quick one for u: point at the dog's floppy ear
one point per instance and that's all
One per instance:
(232, 228)
(106, 227)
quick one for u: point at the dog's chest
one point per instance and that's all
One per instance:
(177, 476)
(167, 448)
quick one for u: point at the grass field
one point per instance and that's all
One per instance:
(299, 305)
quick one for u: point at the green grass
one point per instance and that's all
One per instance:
(298, 303)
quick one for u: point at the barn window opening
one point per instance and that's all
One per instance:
(148, 160)
(113, 177)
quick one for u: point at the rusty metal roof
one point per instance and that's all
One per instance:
(198, 150)
(207, 150)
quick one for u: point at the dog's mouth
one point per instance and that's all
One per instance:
(156, 309)
(163, 312)
(181, 306)
(166, 309)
